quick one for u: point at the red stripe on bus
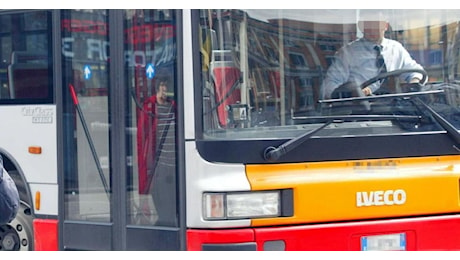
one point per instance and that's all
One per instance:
(45, 234)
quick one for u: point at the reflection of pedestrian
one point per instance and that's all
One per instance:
(157, 157)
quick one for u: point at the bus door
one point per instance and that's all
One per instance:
(121, 176)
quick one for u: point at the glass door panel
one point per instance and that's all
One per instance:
(150, 70)
(86, 85)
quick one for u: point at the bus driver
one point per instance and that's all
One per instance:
(368, 56)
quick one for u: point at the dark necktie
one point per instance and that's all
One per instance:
(380, 63)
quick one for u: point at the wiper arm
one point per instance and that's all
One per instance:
(450, 129)
(273, 153)
(384, 96)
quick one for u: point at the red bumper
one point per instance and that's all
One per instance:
(421, 233)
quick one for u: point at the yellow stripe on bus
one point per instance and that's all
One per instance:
(366, 189)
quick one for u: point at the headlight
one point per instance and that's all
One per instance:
(241, 205)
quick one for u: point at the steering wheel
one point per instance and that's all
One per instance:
(394, 73)
(356, 91)
(384, 75)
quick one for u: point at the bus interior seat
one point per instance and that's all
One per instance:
(28, 76)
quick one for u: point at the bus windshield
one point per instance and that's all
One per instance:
(296, 74)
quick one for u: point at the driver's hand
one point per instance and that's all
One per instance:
(367, 91)
(414, 80)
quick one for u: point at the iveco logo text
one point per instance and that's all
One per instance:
(380, 198)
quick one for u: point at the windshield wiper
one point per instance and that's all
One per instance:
(384, 96)
(355, 117)
(274, 153)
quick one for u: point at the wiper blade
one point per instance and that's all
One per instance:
(356, 117)
(384, 96)
(450, 129)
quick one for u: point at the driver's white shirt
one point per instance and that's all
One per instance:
(356, 62)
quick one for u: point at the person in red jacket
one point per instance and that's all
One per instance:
(156, 141)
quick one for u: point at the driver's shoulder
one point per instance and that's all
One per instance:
(391, 43)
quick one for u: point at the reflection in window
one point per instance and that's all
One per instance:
(150, 46)
(25, 67)
(283, 57)
(86, 72)
(297, 60)
(5, 23)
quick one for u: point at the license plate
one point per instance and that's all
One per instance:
(386, 242)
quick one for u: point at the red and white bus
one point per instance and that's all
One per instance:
(239, 151)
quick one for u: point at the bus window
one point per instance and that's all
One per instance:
(25, 70)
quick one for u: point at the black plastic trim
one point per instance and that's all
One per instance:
(330, 148)
(250, 246)
(287, 203)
